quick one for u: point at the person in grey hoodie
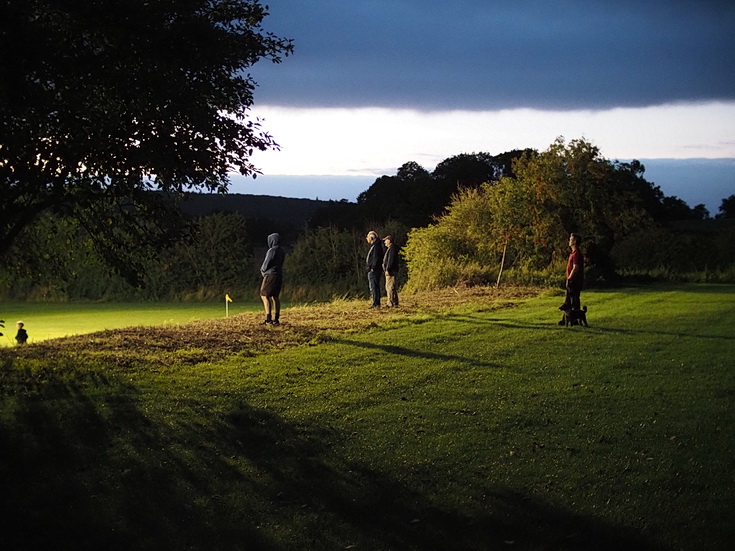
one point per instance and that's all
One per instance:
(272, 272)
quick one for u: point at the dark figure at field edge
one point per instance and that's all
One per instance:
(272, 272)
(390, 267)
(374, 263)
(574, 276)
(22, 336)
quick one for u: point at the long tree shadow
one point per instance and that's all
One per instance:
(410, 353)
(84, 467)
(594, 327)
(678, 334)
(378, 511)
(504, 322)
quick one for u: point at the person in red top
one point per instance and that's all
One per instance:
(575, 273)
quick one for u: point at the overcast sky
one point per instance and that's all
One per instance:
(376, 83)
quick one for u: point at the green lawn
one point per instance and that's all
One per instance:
(483, 426)
(52, 320)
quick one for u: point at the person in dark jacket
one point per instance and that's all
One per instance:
(390, 267)
(22, 336)
(272, 272)
(374, 262)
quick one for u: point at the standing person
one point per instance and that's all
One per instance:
(374, 263)
(22, 336)
(272, 272)
(574, 275)
(390, 267)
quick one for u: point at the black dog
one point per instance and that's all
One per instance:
(573, 317)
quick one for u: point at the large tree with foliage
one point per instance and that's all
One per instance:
(567, 188)
(406, 197)
(103, 101)
(414, 196)
(727, 207)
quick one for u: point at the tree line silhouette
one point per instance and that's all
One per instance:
(454, 226)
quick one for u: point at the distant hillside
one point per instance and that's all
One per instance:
(285, 210)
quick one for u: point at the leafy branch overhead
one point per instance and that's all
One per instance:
(101, 101)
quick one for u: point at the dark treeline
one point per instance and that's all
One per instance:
(454, 224)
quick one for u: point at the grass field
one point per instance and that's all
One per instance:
(53, 320)
(468, 421)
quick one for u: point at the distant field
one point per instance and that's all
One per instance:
(48, 321)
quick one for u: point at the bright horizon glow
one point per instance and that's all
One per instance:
(376, 141)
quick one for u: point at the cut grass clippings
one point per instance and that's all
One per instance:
(463, 420)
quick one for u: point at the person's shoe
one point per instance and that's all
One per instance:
(275, 322)
(266, 322)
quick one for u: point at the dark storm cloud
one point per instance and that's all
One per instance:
(484, 54)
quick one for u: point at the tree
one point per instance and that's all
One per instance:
(403, 197)
(567, 188)
(414, 196)
(326, 261)
(699, 212)
(456, 248)
(102, 102)
(727, 208)
(571, 188)
(467, 170)
(215, 253)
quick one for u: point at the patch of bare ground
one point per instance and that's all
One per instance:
(243, 334)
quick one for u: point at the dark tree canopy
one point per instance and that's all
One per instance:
(727, 207)
(414, 196)
(467, 170)
(102, 101)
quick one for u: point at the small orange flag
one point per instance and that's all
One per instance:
(227, 298)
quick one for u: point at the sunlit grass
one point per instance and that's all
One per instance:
(45, 321)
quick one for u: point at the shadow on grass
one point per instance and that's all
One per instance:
(623, 331)
(368, 509)
(83, 466)
(402, 351)
(593, 328)
(506, 323)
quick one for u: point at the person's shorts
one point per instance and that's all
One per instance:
(271, 285)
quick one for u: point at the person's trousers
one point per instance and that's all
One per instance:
(374, 284)
(390, 290)
(572, 298)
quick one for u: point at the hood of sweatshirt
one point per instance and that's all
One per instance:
(274, 240)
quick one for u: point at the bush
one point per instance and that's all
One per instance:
(698, 251)
(441, 256)
(529, 216)
(324, 262)
(55, 260)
